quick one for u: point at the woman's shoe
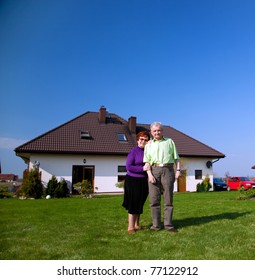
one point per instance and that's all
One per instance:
(138, 227)
(131, 231)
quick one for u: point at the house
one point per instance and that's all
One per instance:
(8, 178)
(95, 145)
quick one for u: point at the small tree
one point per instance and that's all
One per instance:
(57, 189)
(51, 186)
(32, 185)
(62, 189)
(206, 182)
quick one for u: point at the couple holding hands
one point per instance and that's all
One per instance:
(150, 170)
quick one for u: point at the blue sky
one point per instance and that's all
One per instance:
(188, 64)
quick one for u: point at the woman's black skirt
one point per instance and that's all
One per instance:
(135, 194)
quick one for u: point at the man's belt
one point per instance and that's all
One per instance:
(163, 165)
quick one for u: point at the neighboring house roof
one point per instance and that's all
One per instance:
(100, 130)
(8, 177)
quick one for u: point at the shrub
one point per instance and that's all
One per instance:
(205, 185)
(57, 189)
(62, 189)
(84, 188)
(246, 194)
(51, 186)
(4, 193)
(200, 187)
(32, 185)
(120, 185)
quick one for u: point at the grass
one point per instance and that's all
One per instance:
(212, 226)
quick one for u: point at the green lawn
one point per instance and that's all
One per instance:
(212, 226)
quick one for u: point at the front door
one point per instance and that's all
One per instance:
(181, 183)
(81, 172)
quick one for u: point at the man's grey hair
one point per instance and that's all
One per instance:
(158, 124)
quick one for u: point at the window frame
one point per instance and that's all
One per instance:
(122, 137)
(198, 174)
(84, 134)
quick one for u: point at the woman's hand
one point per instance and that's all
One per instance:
(146, 167)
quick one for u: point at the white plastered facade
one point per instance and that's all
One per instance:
(106, 170)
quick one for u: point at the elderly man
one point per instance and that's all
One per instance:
(161, 154)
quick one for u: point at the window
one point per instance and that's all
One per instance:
(122, 137)
(122, 168)
(198, 174)
(85, 135)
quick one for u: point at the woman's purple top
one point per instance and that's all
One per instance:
(134, 163)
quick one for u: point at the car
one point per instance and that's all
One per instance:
(219, 184)
(237, 182)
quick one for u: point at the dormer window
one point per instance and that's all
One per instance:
(85, 135)
(122, 137)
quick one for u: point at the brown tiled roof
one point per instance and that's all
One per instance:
(66, 138)
(8, 177)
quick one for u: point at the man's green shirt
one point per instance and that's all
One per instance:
(160, 152)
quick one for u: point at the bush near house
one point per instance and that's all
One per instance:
(205, 185)
(57, 189)
(51, 186)
(120, 184)
(62, 189)
(84, 188)
(32, 186)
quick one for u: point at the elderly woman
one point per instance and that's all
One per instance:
(136, 182)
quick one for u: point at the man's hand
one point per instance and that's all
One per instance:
(177, 174)
(151, 178)
(147, 168)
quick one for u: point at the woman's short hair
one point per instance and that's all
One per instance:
(142, 134)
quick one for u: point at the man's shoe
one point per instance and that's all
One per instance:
(172, 229)
(155, 228)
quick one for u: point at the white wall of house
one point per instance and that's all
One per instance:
(192, 164)
(106, 169)
(106, 173)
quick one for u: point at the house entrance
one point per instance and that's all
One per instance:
(181, 182)
(81, 172)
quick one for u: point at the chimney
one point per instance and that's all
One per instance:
(132, 125)
(102, 114)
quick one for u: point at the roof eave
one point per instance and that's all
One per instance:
(22, 153)
(202, 156)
